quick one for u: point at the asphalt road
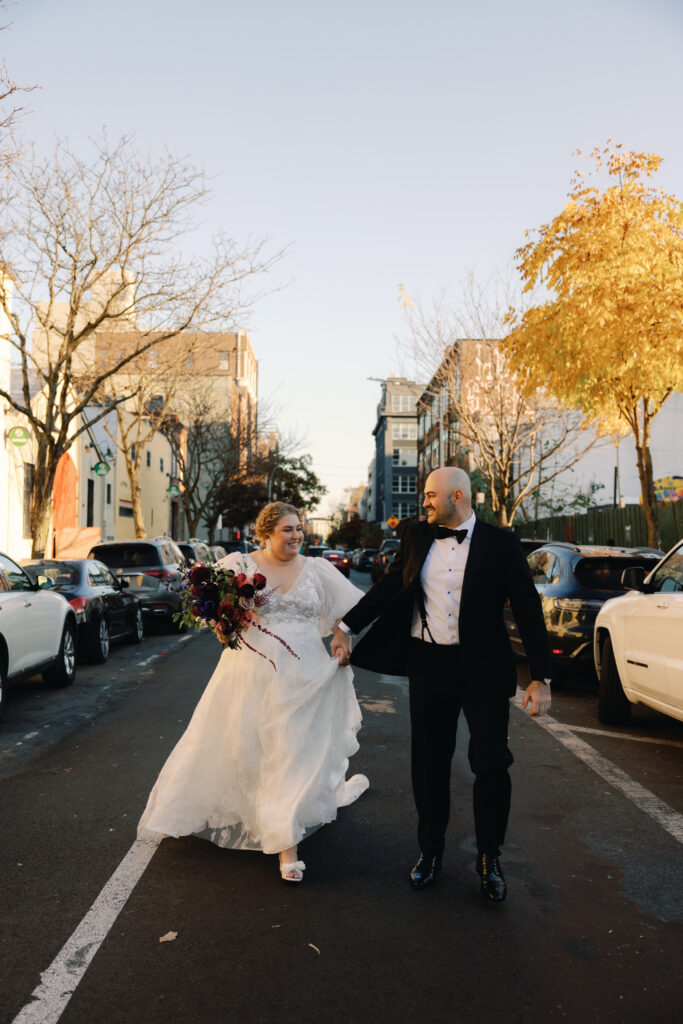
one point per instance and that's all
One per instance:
(591, 930)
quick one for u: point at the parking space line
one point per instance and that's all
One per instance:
(666, 817)
(625, 736)
(59, 982)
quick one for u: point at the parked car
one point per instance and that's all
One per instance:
(528, 544)
(152, 570)
(38, 630)
(315, 550)
(638, 643)
(196, 550)
(366, 558)
(243, 546)
(340, 559)
(218, 552)
(383, 558)
(573, 582)
(105, 610)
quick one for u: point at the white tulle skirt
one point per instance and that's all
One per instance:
(263, 761)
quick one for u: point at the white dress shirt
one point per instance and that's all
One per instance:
(441, 577)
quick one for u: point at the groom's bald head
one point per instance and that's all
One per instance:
(448, 496)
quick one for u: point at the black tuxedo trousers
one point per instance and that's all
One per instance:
(439, 692)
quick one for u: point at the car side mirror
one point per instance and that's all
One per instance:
(44, 582)
(633, 578)
(123, 584)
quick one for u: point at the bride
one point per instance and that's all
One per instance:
(263, 761)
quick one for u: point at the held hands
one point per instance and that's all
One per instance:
(538, 695)
(341, 647)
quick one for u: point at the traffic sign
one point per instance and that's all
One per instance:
(392, 522)
(102, 468)
(19, 436)
(174, 490)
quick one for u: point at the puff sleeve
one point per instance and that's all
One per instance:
(337, 594)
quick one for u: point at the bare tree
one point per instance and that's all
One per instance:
(519, 444)
(95, 245)
(10, 112)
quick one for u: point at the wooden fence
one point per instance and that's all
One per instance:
(622, 526)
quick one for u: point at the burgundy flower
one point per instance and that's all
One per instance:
(259, 581)
(200, 574)
(247, 590)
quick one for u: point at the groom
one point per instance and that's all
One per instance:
(439, 612)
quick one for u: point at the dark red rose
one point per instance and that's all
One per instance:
(259, 581)
(241, 577)
(200, 573)
(246, 590)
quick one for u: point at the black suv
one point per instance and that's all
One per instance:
(573, 582)
(152, 571)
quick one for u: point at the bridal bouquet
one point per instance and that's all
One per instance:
(225, 602)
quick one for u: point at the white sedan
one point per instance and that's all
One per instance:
(638, 643)
(37, 630)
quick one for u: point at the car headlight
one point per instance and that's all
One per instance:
(575, 605)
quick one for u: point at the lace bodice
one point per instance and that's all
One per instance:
(319, 597)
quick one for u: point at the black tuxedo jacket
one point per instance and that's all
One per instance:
(496, 571)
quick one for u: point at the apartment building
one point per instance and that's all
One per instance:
(394, 488)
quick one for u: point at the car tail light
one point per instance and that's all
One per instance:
(557, 650)
(79, 604)
(164, 574)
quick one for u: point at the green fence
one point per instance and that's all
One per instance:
(623, 526)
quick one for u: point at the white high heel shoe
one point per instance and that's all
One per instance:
(296, 869)
(352, 789)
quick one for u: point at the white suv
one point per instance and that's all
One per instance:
(638, 643)
(37, 630)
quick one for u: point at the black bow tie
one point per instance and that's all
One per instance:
(443, 531)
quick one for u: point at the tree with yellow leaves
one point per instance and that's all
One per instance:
(609, 340)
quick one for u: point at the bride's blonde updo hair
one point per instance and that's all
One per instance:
(269, 516)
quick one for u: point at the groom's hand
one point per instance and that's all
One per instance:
(341, 647)
(538, 695)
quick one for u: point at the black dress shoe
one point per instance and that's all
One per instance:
(493, 883)
(425, 871)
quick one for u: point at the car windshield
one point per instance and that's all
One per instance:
(127, 556)
(61, 574)
(605, 573)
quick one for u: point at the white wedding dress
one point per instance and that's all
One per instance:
(263, 761)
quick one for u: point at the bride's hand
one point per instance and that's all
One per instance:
(341, 647)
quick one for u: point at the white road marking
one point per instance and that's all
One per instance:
(59, 982)
(666, 817)
(625, 736)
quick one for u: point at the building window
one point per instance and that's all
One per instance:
(125, 509)
(404, 509)
(404, 484)
(132, 454)
(149, 458)
(108, 494)
(29, 472)
(223, 360)
(403, 403)
(404, 431)
(161, 465)
(153, 359)
(189, 361)
(404, 457)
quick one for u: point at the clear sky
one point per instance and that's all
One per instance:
(383, 142)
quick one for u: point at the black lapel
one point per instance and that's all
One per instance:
(423, 543)
(478, 545)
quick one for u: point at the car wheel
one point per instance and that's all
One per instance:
(614, 708)
(3, 683)
(139, 628)
(64, 672)
(101, 643)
